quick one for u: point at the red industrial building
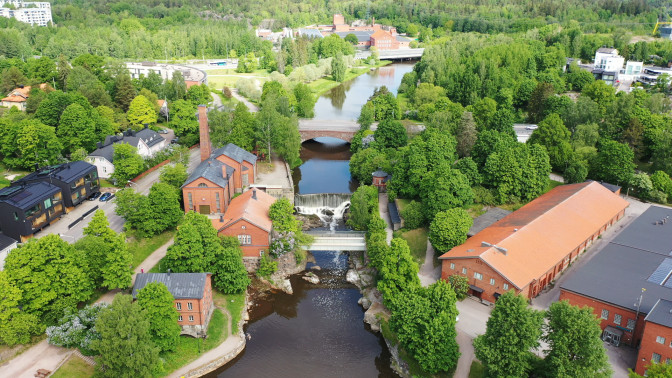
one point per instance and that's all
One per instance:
(528, 248)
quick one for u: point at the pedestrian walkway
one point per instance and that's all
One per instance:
(428, 273)
(382, 209)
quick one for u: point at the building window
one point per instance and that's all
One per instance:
(617, 319)
(605, 314)
(492, 281)
(261, 253)
(179, 318)
(631, 324)
(179, 306)
(660, 339)
(217, 200)
(191, 318)
(452, 266)
(478, 276)
(505, 286)
(655, 358)
(202, 185)
(190, 200)
(189, 306)
(245, 239)
(464, 270)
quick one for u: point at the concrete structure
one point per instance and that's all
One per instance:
(247, 219)
(6, 245)
(337, 241)
(525, 250)
(628, 286)
(166, 71)
(147, 141)
(193, 298)
(19, 96)
(34, 13)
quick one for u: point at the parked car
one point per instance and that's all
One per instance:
(105, 197)
(94, 196)
(163, 131)
(175, 140)
(531, 127)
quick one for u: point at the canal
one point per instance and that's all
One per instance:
(319, 331)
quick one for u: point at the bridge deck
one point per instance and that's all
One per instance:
(337, 241)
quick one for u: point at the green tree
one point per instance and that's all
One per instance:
(445, 188)
(352, 39)
(554, 136)
(52, 274)
(16, 326)
(281, 213)
(131, 206)
(366, 116)
(230, 275)
(78, 154)
(413, 215)
(338, 68)
(460, 285)
(157, 303)
(661, 181)
(578, 78)
(466, 134)
(30, 142)
(124, 92)
(127, 162)
(391, 134)
(12, 78)
(614, 163)
(305, 101)
(199, 95)
(363, 202)
(600, 92)
(141, 112)
(43, 69)
(50, 109)
(449, 229)
(125, 347)
(63, 70)
(164, 207)
(655, 370)
(174, 175)
(183, 118)
(538, 99)
(399, 273)
(513, 329)
(364, 162)
(76, 129)
(575, 346)
(576, 171)
(111, 255)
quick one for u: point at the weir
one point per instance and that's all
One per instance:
(330, 207)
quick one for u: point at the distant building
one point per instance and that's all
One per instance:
(383, 40)
(192, 76)
(34, 13)
(528, 248)
(309, 33)
(379, 179)
(6, 245)
(666, 32)
(628, 285)
(363, 36)
(247, 219)
(163, 108)
(147, 141)
(19, 96)
(608, 64)
(193, 298)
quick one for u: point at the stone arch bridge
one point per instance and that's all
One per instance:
(341, 129)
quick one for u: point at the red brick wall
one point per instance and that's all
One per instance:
(205, 196)
(237, 180)
(476, 265)
(200, 307)
(650, 345)
(597, 306)
(260, 238)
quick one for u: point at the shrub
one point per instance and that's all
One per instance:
(460, 285)
(76, 329)
(484, 196)
(226, 91)
(413, 215)
(267, 266)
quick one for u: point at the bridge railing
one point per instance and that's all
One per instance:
(343, 234)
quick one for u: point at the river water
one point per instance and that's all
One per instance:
(319, 330)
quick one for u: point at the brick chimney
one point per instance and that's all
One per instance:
(206, 146)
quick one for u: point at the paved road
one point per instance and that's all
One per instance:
(253, 108)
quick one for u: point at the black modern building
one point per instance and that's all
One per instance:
(78, 180)
(26, 208)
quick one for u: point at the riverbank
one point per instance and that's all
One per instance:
(323, 85)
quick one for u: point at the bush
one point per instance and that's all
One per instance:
(76, 329)
(460, 285)
(413, 215)
(267, 266)
(226, 91)
(484, 196)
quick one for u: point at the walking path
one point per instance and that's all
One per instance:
(253, 108)
(428, 273)
(382, 209)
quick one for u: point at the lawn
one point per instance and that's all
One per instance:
(141, 248)
(106, 184)
(417, 242)
(189, 348)
(402, 204)
(75, 367)
(234, 304)
(4, 182)
(477, 370)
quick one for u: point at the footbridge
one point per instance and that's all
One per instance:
(400, 54)
(337, 241)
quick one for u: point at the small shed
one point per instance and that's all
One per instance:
(395, 219)
(379, 180)
(486, 220)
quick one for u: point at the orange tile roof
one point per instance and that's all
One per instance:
(548, 229)
(252, 210)
(14, 99)
(160, 102)
(191, 83)
(21, 94)
(381, 34)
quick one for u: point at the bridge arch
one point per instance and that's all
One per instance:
(312, 134)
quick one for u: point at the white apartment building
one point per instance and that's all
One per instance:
(607, 59)
(34, 13)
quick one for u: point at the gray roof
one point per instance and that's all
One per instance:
(66, 172)
(394, 213)
(637, 258)
(362, 35)
(613, 188)
(401, 38)
(212, 170)
(310, 33)
(149, 136)
(607, 50)
(661, 313)
(6, 241)
(236, 153)
(379, 173)
(180, 285)
(486, 220)
(25, 196)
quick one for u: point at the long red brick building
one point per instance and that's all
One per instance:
(628, 284)
(528, 248)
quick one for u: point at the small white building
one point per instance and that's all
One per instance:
(147, 141)
(34, 13)
(6, 245)
(607, 59)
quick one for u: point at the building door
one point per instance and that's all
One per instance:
(204, 209)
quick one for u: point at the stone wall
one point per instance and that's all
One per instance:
(251, 263)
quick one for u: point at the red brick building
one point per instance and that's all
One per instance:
(193, 297)
(247, 219)
(383, 40)
(379, 180)
(528, 248)
(628, 284)
(221, 173)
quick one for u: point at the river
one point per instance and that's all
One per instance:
(319, 330)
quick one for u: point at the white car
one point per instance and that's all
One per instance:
(531, 127)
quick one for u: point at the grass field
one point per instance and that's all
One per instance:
(75, 367)
(477, 370)
(234, 304)
(417, 242)
(143, 247)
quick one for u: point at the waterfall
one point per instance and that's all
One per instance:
(330, 207)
